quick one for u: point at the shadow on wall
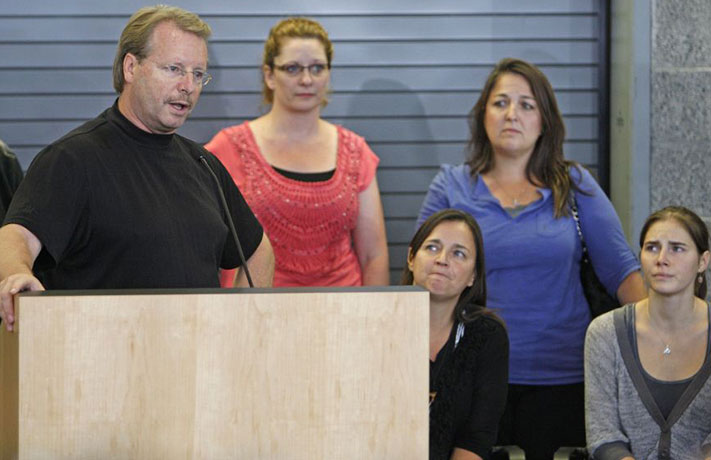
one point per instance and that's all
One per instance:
(393, 120)
(232, 97)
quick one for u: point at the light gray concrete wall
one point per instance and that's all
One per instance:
(680, 157)
(630, 113)
(660, 108)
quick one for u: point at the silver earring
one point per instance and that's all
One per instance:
(700, 279)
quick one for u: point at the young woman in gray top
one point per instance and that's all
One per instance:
(647, 365)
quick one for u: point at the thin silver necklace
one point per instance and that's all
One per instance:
(667, 343)
(514, 200)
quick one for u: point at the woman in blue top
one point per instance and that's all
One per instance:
(517, 185)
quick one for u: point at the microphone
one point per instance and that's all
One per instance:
(231, 224)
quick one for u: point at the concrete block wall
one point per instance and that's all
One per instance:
(681, 105)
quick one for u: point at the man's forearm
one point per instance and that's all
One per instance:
(18, 250)
(261, 266)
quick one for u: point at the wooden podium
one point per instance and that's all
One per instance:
(217, 374)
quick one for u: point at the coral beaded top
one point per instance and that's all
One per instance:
(309, 224)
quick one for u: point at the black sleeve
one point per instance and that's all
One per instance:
(490, 387)
(10, 178)
(50, 202)
(249, 230)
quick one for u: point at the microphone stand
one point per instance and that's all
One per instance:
(230, 223)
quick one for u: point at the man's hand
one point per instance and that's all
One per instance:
(10, 286)
(19, 248)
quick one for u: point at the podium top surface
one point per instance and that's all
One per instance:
(200, 291)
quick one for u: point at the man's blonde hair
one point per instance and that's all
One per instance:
(135, 38)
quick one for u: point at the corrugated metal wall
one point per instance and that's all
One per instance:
(405, 74)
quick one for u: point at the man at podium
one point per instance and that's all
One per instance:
(123, 201)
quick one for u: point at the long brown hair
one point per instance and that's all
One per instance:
(547, 167)
(472, 300)
(694, 226)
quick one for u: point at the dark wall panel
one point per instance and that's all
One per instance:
(405, 74)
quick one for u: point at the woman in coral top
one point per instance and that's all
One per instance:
(310, 183)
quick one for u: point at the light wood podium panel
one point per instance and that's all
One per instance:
(217, 374)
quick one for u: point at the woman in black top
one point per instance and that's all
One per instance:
(468, 344)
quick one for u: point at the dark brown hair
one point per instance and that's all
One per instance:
(547, 167)
(472, 300)
(694, 226)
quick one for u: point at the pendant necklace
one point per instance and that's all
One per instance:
(667, 343)
(515, 199)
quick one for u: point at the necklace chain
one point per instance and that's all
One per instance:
(667, 343)
(514, 199)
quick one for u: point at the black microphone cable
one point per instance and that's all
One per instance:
(229, 220)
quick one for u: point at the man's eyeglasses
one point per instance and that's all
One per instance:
(175, 71)
(295, 69)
